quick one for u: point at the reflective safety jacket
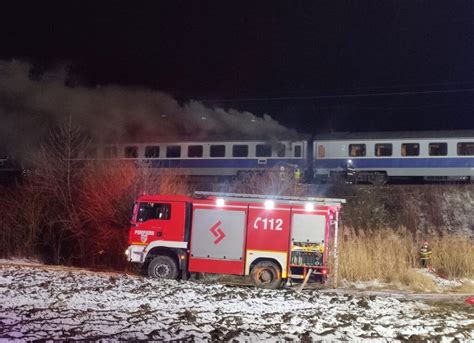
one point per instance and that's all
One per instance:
(425, 253)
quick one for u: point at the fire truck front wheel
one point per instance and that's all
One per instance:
(163, 267)
(266, 274)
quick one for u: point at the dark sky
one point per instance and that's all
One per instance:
(280, 58)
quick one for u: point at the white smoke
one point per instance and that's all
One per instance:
(28, 108)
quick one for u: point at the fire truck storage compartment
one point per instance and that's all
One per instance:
(218, 236)
(308, 238)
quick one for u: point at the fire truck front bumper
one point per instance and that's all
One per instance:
(135, 253)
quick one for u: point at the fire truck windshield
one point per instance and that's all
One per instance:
(148, 211)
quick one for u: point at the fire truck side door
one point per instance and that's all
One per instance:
(161, 221)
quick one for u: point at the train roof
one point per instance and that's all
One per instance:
(243, 141)
(394, 135)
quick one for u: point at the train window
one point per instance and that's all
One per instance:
(281, 150)
(466, 148)
(263, 150)
(438, 149)
(131, 152)
(410, 149)
(356, 149)
(297, 150)
(195, 151)
(173, 151)
(217, 151)
(110, 151)
(240, 150)
(321, 151)
(383, 149)
(152, 151)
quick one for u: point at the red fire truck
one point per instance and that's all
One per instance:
(270, 239)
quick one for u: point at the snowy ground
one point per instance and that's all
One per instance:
(42, 303)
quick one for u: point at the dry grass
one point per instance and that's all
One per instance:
(453, 256)
(417, 282)
(384, 255)
(390, 256)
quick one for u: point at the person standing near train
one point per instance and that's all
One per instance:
(297, 175)
(425, 254)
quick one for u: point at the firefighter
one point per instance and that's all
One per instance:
(350, 172)
(297, 175)
(425, 254)
(282, 173)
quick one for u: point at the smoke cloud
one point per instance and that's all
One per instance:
(29, 107)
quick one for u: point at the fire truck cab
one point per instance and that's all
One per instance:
(270, 239)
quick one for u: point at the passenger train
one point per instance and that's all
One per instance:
(374, 158)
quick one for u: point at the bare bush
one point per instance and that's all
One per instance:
(272, 182)
(105, 200)
(21, 210)
(427, 209)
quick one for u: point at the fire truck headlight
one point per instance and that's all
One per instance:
(269, 204)
(220, 202)
(126, 252)
(309, 207)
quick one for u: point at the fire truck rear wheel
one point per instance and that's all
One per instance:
(266, 274)
(163, 267)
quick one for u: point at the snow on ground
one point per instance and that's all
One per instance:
(39, 303)
(442, 283)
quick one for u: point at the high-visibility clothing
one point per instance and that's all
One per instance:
(297, 175)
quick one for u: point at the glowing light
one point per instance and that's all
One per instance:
(126, 252)
(269, 204)
(220, 202)
(309, 206)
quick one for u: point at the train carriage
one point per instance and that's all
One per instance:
(229, 158)
(381, 157)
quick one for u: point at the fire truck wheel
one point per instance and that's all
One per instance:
(266, 274)
(163, 267)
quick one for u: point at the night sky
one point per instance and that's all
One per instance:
(316, 66)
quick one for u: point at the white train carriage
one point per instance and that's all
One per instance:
(207, 158)
(379, 157)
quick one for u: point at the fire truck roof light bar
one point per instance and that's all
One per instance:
(291, 199)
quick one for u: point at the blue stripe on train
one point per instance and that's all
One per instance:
(446, 162)
(223, 163)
